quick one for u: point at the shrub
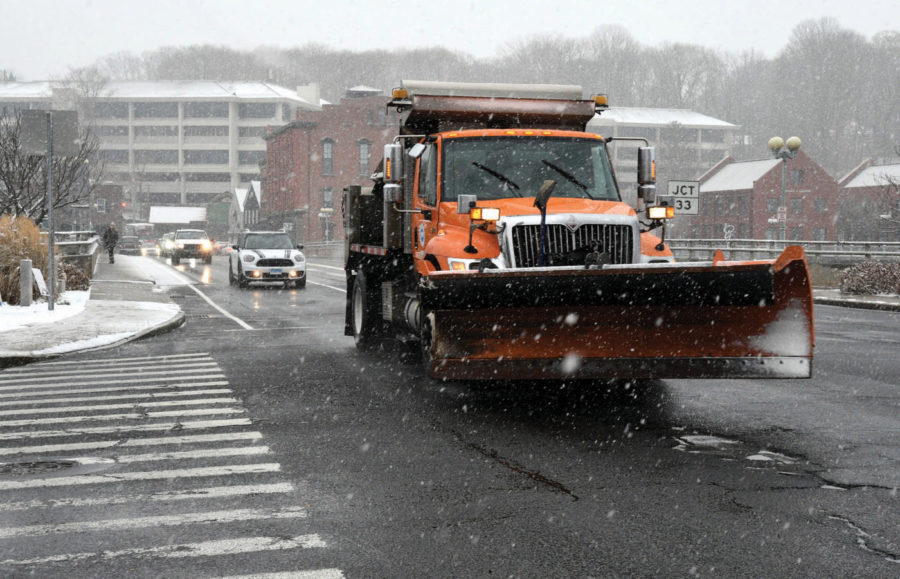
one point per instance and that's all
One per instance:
(75, 277)
(871, 277)
(20, 239)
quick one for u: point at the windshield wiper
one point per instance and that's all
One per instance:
(499, 176)
(569, 177)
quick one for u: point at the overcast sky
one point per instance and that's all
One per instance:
(43, 38)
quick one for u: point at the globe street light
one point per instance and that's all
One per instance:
(784, 151)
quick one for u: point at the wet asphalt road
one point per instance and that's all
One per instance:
(383, 473)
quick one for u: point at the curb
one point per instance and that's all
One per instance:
(859, 304)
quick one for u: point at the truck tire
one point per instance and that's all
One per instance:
(365, 309)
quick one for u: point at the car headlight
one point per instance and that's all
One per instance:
(179, 244)
(206, 246)
(248, 257)
(299, 258)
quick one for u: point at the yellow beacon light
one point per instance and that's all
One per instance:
(400, 94)
(485, 213)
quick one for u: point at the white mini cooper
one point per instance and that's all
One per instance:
(266, 256)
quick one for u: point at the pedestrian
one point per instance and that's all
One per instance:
(110, 239)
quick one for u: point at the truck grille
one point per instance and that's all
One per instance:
(271, 262)
(615, 240)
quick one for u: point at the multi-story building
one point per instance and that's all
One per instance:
(309, 162)
(178, 142)
(744, 200)
(870, 203)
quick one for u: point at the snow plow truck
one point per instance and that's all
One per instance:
(495, 239)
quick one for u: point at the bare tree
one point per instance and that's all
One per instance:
(23, 180)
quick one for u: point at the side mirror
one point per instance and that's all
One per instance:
(234, 247)
(300, 246)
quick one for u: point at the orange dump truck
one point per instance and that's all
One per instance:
(495, 237)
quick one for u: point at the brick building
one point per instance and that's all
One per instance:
(870, 203)
(747, 194)
(309, 162)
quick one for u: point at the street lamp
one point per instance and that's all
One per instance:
(784, 151)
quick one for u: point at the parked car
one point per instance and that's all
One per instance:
(266, 256)
(165, 244)
(191, 243)
(129, 245)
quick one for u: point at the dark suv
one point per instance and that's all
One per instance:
(191, 243)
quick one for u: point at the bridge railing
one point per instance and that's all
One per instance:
(832, 253)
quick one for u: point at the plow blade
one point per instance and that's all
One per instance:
(715, 319)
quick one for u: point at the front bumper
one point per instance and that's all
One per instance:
(192, 251)
(255, 273)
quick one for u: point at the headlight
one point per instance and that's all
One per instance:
(206, 246)
(299, 258)
(460, 264)
(179, 244)
(248, 257)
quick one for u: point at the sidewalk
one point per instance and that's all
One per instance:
(126, 303)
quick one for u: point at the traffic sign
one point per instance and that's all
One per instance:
(782, 214)
(687, 196)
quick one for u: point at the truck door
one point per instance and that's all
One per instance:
(425, 197)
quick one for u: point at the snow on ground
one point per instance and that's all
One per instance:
(70, 304)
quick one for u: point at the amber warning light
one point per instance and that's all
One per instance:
(485, 213)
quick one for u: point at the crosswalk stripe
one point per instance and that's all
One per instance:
(122, 477)
(34, 382)
(122, 429)
(316, 574)
(166, 440)
(123, 405)
(138, 396)
(105, 361)
(207, 518)
(189, 454)
(124, 380)
(218, 492)
(164, 386)
(128, 416)
(202, 549)
(89, 370)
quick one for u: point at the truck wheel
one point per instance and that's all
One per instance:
(366, 315)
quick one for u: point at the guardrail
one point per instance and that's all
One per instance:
(79, 248)
(831, 253)
(329, 250)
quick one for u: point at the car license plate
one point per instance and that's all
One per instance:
(275, 270)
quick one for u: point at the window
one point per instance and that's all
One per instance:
(205, 110)
(639, 132)
(819, 234)
(245, 132)
(111, 110)
(328, 198)
(821, 205)
(102, 205)
(114, 156)
(678, 135)
(773, 234)
(210, 177)
(112, 131)
(796, 206)
(257, 110)
(251, 157)
(151, 131)
(797, 176)
(796, 234)
(712, 136)
(328, 157)
(772, 205)
(365, 148)
(154, 110)
(204, 131)
(155, 157)
(148, 176)
(206, 157)
(428, 176)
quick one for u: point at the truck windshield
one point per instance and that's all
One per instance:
(503, 167)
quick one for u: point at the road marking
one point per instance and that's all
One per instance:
(138, 396)
(182, 550)
(193, 454)
(101, 361)
(235, 319)
(317, 574)
(107, 370)
(342, 290)
(207, 518)
(323, 266)
(179, 495)
(123, 477)
(195, 425)
(165, 440)
(26, 382)
(128, 416)
(164, 387)
(159, 404)
(125, 380)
